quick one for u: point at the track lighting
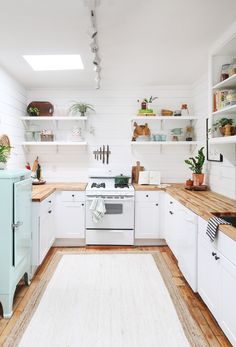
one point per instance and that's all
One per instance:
(94, 47)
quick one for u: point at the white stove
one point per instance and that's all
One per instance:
(106, 186)
(117, 225)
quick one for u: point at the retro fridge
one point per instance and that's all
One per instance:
(15, 233)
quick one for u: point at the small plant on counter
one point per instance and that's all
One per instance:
(4, 155)
(33, 111)
(196, 165)
(81, 108)
(225, 124)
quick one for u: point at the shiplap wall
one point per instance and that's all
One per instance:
(12, 107)
(112, 125)
(220, 176)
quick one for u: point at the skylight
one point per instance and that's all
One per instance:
(54, 62)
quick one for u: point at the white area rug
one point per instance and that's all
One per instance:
(105, 300)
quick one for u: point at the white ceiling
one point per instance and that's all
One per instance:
(142, 42)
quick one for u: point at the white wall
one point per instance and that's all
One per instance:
(12, 107)
(220, 176)
(112, 124)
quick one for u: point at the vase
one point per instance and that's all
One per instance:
(82, 114)
(3, 165)
(198, 179)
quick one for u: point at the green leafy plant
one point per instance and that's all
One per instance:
(150, 100)
(4, 153)
(196, 163)
(33, 111)
(222, 122)
(81, 108)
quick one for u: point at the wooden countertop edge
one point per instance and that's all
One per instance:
(46, 190)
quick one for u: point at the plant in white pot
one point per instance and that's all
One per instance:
(4, 156)
(196, 165)
(79, 107)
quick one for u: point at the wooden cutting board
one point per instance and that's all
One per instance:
(46, 109)
(135, 172)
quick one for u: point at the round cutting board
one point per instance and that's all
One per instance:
(4, 140)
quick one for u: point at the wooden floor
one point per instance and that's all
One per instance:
(214, 335)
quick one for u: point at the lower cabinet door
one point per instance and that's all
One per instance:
(228, 298)
(51, 227)
(209, 276)
(71, 220)
(147, 220)
(43, 236)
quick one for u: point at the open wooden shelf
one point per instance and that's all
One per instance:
(53, 118)
(158, 118)
(165, 143)
(229, 83)
(53, 143)
(223, 140)
(225, 110)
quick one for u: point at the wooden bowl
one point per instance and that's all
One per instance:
(167, 113)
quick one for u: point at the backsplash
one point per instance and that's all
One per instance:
(111, 124)
(12, 107)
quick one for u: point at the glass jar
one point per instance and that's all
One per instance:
(232, 68)
(224, 72)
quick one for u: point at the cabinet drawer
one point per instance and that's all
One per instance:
(71, 196)
(147, 196)
(46, 204)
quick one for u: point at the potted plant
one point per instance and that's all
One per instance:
(196, 165)
(33, 111)
(81, 108)
(226, 127)
(4, 156)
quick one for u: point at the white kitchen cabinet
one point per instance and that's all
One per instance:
(217, 280)
(44, 229)
(147, 215)
(171, 227)
(70, 217)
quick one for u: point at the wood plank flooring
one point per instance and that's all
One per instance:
(212, 332)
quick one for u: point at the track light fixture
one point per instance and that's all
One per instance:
(93, 33)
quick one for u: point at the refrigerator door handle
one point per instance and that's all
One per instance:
(17, 225)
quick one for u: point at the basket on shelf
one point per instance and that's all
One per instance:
(47, 137)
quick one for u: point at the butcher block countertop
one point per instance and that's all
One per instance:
(203, 203)
(40, 193)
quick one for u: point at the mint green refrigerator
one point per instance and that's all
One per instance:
(15, 233)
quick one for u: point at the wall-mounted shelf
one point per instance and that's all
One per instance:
(225, 110)
(164, 143)
(53, 118)
(223, 140)
(229, 83)
(53, 143)
(161, 118)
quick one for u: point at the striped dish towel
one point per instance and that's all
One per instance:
(213, 225)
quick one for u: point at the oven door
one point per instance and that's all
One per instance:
(119, 214)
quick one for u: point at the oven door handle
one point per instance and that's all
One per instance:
(113, 200)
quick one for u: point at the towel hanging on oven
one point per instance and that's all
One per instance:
(98, 209)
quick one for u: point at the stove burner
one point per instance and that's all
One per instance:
(121, 185)
(98, 185)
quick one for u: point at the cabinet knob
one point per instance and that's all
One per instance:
(50, 211)
(156, 204)
(73, 195)
(213, 254)
(50, 201)
(82, 204)
(147, 196)
(170, 212)
(216, 257)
